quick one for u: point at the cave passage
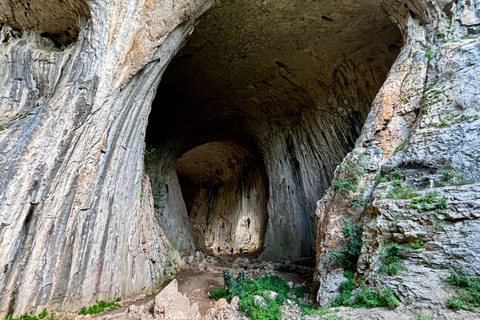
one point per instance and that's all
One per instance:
(253, 114)
(225, 195)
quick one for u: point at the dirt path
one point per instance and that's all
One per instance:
(196, 286)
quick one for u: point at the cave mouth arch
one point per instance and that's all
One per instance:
(225, 195)
(293, 80)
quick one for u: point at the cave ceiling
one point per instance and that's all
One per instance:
(252, 63)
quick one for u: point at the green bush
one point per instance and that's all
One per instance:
(346, 288)
(26, 316)
(468, 291)
(451, 177)
(369, 298)
(425, 203)
(417, 245)
(392, 261)
(399, 192)
(245, 289)
(100, 307)
(301, 291)
(348, 256)
(344, 186)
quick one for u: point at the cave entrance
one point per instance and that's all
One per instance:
(225, 195)
(292, 82)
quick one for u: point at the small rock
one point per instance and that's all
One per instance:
(199, 256)
(290, 284)
(221, 304)
(258, 300)
(272, 294)
(234, 303)
(287, 263)
(240, 260)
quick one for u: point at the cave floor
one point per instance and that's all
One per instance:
(200, 275)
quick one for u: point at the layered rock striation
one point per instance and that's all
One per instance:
(86, 214)
(418, 164)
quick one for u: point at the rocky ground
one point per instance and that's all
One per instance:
(187, 296)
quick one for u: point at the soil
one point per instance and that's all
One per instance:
(199, 278)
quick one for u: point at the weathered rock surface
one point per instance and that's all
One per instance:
(75, 226)
(423, 122)
(291, 82)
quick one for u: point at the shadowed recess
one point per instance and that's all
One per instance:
(291, 82)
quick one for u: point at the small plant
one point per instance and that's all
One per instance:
(41, 315)
(404, 100)
(425, 203)
(348, 256)
(100, 307)
(450, 177)
(401, 146)
(149, 155)
(417, 245)
(1, 128)
(346, 288)
(397, 174)
(392, 261)
(399, 192)
(370, 298)
(245, 289)
(301, 291)
(468, 291)
(443, 123)
(344, 186)
(382, 179)
(428, 51)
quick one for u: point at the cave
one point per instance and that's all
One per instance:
(253, 114)
(135, 133)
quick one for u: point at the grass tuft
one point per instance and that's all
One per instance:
(468, 291)
(100, 307)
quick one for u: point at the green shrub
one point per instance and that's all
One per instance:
(417, 245)
(245, 289)
(451, 177)
(348, 256)
(41, 315)
(369, 298)
(100, 307)
(399, 192)
(344, 186)
(392, 261)
(425, 203)
(468, 291)
(301, 291)
(397, 174)
(346, 288)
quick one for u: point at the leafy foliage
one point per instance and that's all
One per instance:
(399, 192)
(468, 291)
(100, 307)
(392, 261)
(346, 288)
(425, 203)
(344, 186)
(417, 245)
(370, 298)
(301, 291)
(41, 315)
(348, 256)
(245, 289)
